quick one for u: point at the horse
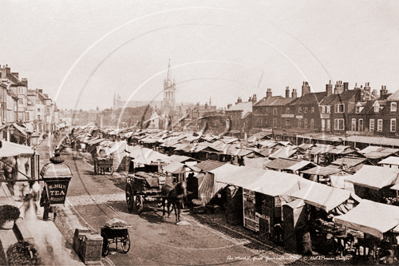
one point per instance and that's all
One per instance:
(173, 195)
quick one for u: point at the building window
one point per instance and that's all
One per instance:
(339, 124)
(27, 116)
(305, 110)
(305, 123)
(21, 101)
(312, 123)
(38, 109)
(353, 124)
(38, 117)
(323, 109)
(287, 123)
(20, 116)
(328, 128)
(379, 125)
(339, 108)
(393, 125)
(328, 109)
(274, 111)
(21, 90)
(312, 109)
(371, 126)
(393, 107)
(323, 125)
(287, 110)
(300, 110)
(299, 123)
(274, 122)
(360, 125)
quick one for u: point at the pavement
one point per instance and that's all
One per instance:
(44, 235)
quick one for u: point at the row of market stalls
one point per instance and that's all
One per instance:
(266, 185)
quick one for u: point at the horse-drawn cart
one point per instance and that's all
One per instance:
(143, 187)
(103, 164)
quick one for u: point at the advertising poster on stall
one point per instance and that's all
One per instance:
(251, 220)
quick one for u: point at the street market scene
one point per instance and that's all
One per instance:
(133, 143)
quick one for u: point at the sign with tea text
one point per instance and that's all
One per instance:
(57, 191)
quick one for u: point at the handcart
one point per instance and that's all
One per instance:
(114, 232)
(102, 165)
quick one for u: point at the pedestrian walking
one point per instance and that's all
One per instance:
(36, 197)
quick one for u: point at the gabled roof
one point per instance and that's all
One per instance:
(394, 96)
(245, 107)
(342, 97)
(268, 101)
(310, 98)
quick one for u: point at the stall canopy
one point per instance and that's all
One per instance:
(375, 177)
(13, 149)
(322, 171)
(180, 158)
(149, 156)
(274, 183)
(392, 160)
(371, 217)
(285, 152)
(374, 152)
(324, 197)
(174, 168)
(350, 162)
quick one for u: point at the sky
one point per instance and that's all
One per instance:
(82, 53)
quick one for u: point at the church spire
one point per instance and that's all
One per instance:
(168, 74)
(210, 101)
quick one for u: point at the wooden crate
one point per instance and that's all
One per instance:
(91, 248)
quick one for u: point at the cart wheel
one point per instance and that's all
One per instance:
(105, 250)
(126, 244)
(129, 199)
(138, 203)
(112, 170)
(95, 169)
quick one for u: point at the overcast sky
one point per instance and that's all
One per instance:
(83, 52)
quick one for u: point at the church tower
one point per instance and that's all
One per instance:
(169, 90)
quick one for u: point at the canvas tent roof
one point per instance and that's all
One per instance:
(281, 163)
(285, 152)
(274, 183)
(322, 171)
(375, 177)
(149, 156)
(13, 149)
(321, 149)
(174, 168)
(180, 158)
(390, 160)
(350, 162)
(371, 217)
(323, 197)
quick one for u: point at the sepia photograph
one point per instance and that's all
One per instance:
(212, 132)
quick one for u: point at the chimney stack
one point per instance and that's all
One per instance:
(8, 69)
(383, 90)
(250, 99)
(40, 90)
(305, 88)
(229, 106)
(329, 88)
(346, 86)
(268, 93)
(254, 100)
(239, 100)
(339, 87)
(287, 92)
(294, 94)
(367, 91)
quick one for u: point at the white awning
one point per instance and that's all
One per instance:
(13, 149)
